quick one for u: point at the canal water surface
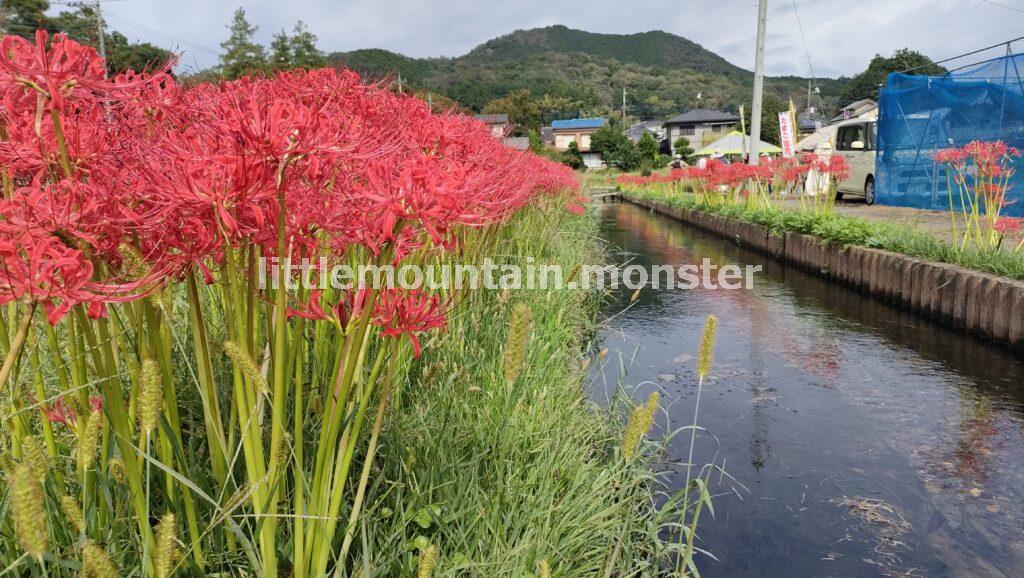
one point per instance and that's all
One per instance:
(864, 440)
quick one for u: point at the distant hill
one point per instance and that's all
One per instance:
(662, 73)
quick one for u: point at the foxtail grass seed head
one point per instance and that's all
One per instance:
(282, 448)
(34, 453)
(116, 467)
(72, 512)
(89, 439)
(640, 421)
(151, 397)
(707, 346)
(133, 265)
(244, 362)
(428, 559)
(515, 347)
(27, 510)
(166, 547)
(97, 563)
(543, 569)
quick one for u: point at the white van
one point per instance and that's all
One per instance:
(855, 142)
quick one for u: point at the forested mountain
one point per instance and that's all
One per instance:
(585, 72)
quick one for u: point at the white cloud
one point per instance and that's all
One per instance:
(841, 35)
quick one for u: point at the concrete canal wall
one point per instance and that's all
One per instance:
(989, 306)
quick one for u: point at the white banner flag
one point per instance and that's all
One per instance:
(787, 134)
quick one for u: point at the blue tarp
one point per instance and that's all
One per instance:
(919, 115)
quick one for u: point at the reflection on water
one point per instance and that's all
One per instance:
(820, 395)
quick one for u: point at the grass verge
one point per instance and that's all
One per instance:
(511, 479)
(843, 230)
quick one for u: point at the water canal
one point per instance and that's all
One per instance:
(868, 441)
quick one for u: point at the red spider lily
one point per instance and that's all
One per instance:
(64, 69)
(408, 312)
(1008, 225)
(982, 170)
(60, 412)
(953, 156)
(185, 175)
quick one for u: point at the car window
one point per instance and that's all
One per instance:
(847, 135)
(872, 136)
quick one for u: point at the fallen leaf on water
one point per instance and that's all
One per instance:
(667, 376)
(992, 508)
(682, 358)
(975, 492)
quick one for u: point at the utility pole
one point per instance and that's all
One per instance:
(624, 127)
(755, 110)
(102, 40)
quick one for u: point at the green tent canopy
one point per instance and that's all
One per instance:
(736, 143)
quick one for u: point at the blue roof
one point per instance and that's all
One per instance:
(577, 123)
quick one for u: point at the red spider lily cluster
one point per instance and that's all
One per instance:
(113, 187)
(123, 196)
(981, 171)
(716, 180)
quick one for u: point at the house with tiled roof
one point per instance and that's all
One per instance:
(498, 123)
(698, 123)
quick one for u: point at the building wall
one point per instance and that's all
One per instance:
(580, 137)
(696, 134)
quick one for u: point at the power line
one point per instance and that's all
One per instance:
(1006, 43)
(804, 40)
(162, 33)
(993, 3)
(810, 64)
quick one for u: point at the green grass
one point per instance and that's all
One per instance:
(499, 478)
(843, 230)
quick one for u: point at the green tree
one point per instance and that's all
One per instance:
(865, 84)
(138, 56)
(615, 148)
(770, 109)
(242, 55)
(305, 54)
(23, 17)
(573, 156)
(281, 57)
(683, 148)
(521, 108)
(647, 147)
(81, 26)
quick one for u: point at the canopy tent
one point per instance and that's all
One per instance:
(822, 136)
(923, 114)
(736, 143)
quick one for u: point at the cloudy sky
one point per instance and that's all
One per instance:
(841, 35)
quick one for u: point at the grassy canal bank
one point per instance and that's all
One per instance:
(978, 291)
(520, 476)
